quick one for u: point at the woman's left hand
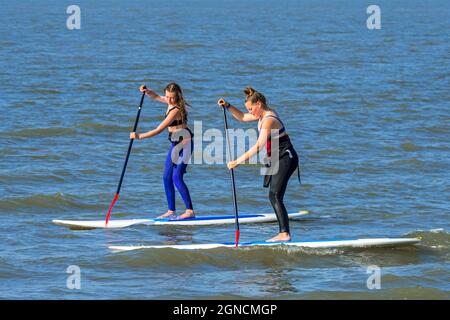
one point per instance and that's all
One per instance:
(232, 164)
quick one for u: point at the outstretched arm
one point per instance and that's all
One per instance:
(152, 94)
(262, 140)
(164, 124)
(237, 114)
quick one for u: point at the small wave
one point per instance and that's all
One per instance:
(320, 91)
(409, 162)
(182, 45)
(401, 83)
(45, 91)
(403, 109)
(88, 171)
(31, 178)
(40, 132)
(331, 152)
(218, 257)
(9, 270)
(342, 113)
(54, 201)
(102, 127)
(434, 129)
(410, 147)
(368, 169)
(334, 170)
(437, 230)
(435, 238)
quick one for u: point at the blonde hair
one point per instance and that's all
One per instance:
(254, 96)
(181, 103)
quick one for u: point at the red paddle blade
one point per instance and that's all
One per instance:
(110, 208)
(237, 237)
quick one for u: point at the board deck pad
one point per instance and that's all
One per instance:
(198, 220)
(324, 244)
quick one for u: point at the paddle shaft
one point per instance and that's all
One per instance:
(233, 185)
(126, 160)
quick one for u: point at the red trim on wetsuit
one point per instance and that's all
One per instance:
(269, 144)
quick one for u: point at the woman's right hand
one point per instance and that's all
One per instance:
(134, 135)
(143, 88)
(223, 103)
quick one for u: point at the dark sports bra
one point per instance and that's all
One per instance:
(174, 123)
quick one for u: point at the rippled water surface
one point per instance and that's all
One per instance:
(367, 110)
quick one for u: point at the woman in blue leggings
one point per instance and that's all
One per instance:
(180, 150)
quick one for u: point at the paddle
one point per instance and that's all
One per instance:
(233, 186)
(126, 160)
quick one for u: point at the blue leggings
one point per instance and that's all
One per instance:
(173, 175)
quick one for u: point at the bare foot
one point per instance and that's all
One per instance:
(187, 214)
(284, 236)
(169, 214)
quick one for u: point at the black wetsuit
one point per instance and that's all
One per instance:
(277, 178)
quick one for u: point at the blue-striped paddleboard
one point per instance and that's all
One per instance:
(323, 244)
(199, 220)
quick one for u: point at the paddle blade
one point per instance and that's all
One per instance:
(110, 208)
(237, 238)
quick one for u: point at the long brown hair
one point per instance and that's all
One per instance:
(181, 103)
(254, 96)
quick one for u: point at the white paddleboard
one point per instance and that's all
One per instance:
(324, 244)
(199, 220)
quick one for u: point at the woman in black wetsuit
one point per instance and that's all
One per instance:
(282, 155)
